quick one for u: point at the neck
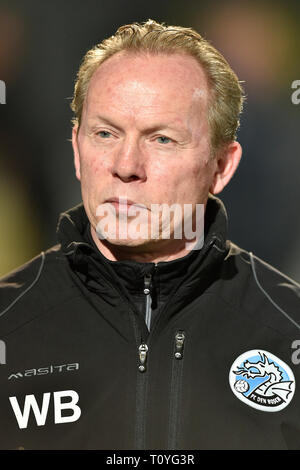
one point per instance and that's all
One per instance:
(163, 250)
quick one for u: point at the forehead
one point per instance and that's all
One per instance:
(144, 81)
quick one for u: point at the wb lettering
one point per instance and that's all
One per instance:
(40, 413)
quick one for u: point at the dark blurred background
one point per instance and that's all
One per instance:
(41, 46)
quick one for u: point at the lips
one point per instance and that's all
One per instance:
(121, 200)
(124, 201)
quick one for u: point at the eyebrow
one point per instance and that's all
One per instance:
(149, 130)
(105, 120)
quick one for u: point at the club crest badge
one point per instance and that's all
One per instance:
(262, 380)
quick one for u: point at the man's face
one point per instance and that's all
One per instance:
(144, 136)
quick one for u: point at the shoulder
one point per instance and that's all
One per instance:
(261, 291)
(34, 287)
(259, 273)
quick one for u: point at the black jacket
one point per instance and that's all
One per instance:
(83, 371)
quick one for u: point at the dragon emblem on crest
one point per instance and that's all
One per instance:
(262, 380)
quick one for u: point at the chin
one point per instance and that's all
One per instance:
(128, 242)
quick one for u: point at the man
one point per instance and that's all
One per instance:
(126, 335)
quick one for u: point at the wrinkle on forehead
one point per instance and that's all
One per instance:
(139, 84)
(139, 87)
(135, 95)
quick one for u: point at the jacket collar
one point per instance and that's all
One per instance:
(193, 271)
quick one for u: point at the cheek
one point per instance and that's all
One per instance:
(178, 172)
(179, 181)
(167, 170)
(202, 168)
(92, 166)
(201, 178)
(165, 177)
(175, 181)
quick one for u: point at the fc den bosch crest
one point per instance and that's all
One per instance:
(262, 380)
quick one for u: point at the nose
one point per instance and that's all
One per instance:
(128, 163)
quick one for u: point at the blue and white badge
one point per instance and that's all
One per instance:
(262, 380)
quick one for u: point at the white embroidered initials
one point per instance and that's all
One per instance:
(41, 414)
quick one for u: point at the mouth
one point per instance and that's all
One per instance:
(122, 203)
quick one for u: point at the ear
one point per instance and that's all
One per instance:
(76, 151)
(227, 162)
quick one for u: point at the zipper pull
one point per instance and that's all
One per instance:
(147, 282)
(143, 349)
(179, 343)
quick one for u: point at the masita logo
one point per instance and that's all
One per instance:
(262, 380)
(63, 400)
(45, 370)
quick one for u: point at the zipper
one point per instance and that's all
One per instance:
(140, 332)
(175, 390)
(179, 343)
(141, 390)
(176, 377)
(148, 312)
(142, 378)
(143, 349)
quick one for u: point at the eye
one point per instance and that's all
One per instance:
(104, 134)
(164, 140)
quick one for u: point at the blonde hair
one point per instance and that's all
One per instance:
(226, 92)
